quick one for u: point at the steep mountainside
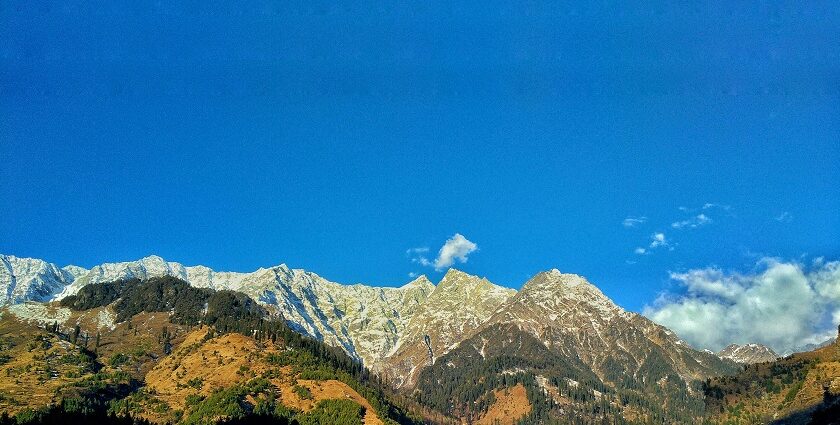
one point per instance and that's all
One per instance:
(29, 279)
(172, 353)
(803, 388)
(560, 335)
(748, 354)
(458, 305)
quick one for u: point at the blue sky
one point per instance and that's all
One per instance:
(335, 137)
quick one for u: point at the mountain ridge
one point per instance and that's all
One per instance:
(394, 330)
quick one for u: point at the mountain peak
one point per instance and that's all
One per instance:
(420, 281)
(153, 258)
(556, 280)
(748, 353)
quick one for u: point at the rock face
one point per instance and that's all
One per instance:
(748, 353)
(29, 279)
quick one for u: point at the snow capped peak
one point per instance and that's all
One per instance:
(453, 273)
(420, 281)
(748, 353)
(75, 271)
(553, 284)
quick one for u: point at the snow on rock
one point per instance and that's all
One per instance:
(748, 353)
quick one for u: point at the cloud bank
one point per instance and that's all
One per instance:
(783, 305)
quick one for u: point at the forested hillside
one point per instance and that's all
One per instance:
(159, 359)
(803, 388)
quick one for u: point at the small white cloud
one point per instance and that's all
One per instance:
(412, 274)
(456, 248)
(658, 240)
(784, 217)
(633, 221)
(709, 205)
(640, 251)
(693, 222)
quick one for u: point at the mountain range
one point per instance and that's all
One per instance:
(451, 346)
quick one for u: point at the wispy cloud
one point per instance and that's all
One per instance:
(710, 205)
(784, 217)
(792, 305)
(418, 255)
(692, 222)
(633, 221)
(640, 251)
(457, 248)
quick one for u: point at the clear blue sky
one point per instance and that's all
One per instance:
(334, 137)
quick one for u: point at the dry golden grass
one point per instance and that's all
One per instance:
(230, 359)
(34, 372)
(510, 406)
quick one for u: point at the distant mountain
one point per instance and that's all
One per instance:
(748, 353)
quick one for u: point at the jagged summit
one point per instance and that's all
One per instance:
(419, 281)
(748, 353)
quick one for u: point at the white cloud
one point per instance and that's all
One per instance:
(456, 248)
(418, 255)
(633, 221)
(782, 306)
(658, 240)
(784, 217)
(640, 251)
(413, 274)
(693, 222)
(709, 205)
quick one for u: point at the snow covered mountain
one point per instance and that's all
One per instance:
(29, 279)
(458, 305)
(365, 321)
(748, 353)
